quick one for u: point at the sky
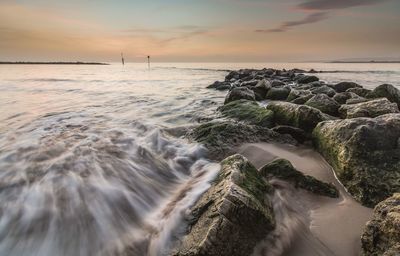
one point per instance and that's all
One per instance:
(199, 30)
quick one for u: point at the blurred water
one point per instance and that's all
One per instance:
(88, 161)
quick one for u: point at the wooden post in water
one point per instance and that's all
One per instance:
(122, 58)
(148, 61)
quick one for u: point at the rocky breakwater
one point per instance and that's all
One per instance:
(357, 131)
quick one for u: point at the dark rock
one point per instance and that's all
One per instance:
(296, 133)
(220, 138)
(276, 93)
(343, 86)
(362, 92)
(387, 91)
(284, 170)
(356, 100)
(294, 94)
(249, 112)
(305, 79)
(382, 234)
(239, 93)
(261, 89)
(277, 83)
(324, 103)
(324, 90)
(371, 108)
(300, 116)
(342, 97)
(220, 86)
(303, 99)
(249, 84)
(232, 216)
(365, 154)
(232, 75)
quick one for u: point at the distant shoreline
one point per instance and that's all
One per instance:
(372, 61)
(50, 63)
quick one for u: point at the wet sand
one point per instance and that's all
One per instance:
(309, 224)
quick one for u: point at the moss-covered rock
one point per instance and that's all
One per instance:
(278, 93)
(284, 170)
(382, 234)
(222, 137)
(232, 216)
(248, 111)
(387, 91)
(261, 88)
(239, 93)
(342, 97)
(294, 94)
(305, 79)
(300, 116)
(365, 154)
(324, 90)
(324, 103)
(362, 92)
(371, 108)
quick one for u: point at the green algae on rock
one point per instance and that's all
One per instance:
(221, 137)
(324, 103)
(232, 216)
(248, 111)
(382, 234)
(365, 154)
(283, 169)
(300, 116)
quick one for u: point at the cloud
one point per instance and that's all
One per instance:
(321, 5)
(311, 18)
(318, 10)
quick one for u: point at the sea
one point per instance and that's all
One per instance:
(94, 161)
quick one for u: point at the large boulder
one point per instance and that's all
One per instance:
(240, 93)
(221, 138)
(232, 216)
(284, 170)
(298, 134)
(365, 154)
(371, 108)
(278, 93)
(305, 79)
(362, 92)
(344, 86)
(219, 86)
(382, 234)
(324, 103)
(295, 93)
(248, 111)
(300, 116)
(342, 97)
(261, 89)
(387, 91)
(324, 90)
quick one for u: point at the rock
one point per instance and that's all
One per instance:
(232, 216)
(277, 83)
(220, 138)
(294, 94)
(342, 97)
(356, 100)
(387, 91)
(305, 79)
(303, 99)
(343, 86)
(276, 93)
(324, 90)
(249, 112)
(362, 92)
(300, 116)
(324, 103)
(249, 84)
(371, 108)
(365, 154)
(232, 75)
(239, 93)
(261, 89)
(284, 170)
(296, 133)
(382, 234)
(220, 86)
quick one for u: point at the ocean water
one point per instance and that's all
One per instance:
(92, 158)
